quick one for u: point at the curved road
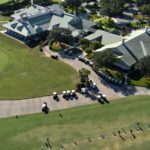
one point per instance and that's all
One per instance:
(33, 105)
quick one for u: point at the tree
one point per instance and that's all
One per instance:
(143, 66)
(84, 41)
(112, 7)
(104, 58)
(84, 73)
(145, 9)
(95, 45)
(139, 2)
(73, 3)
(61, 35)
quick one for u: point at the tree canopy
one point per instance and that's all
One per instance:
(142, 2)
(9, 7)
(84, 73)
(61, 35)
(143, 66)
(104, 58)
(74, 3)
(145, 9)
(112, 7)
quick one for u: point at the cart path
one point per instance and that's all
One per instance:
(33, 105)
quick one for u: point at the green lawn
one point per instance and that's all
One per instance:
(26, 72)
(2, 21)
(133, 79)
(79, 124)
(4, 18)
(1, 28)
(57, 1)
(3, 1)
(144, 81)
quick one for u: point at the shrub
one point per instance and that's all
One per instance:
(55, 46)
(88, 50)
(133, 24)
(83, 41)
(95, 45)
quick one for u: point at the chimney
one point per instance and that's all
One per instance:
(74, 13)
(123, 40)
(31, 2)
(147, 30)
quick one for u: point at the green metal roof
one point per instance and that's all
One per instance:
(105, 37)
(35, 19)
(135, 47)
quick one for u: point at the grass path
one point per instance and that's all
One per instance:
(79, 124)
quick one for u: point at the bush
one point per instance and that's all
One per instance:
(95, 45)
(55, 46)
(133, 24)
(81, 10)
(89, 56)
(106, 22)
(145, 9)
(88, 50)
(83, 41)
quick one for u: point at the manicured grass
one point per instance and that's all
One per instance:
(4, 18)
(79, 124)
(132, 80)
(26, 72)
(143, 81)
(1, 28)
(57, 1)
(2, 21)
(3, 1)
(113, 73)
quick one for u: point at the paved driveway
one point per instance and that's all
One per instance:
(33, 105)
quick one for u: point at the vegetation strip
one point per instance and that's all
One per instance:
(122, 124)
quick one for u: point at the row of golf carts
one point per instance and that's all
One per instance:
(108, 78)
(100, 73)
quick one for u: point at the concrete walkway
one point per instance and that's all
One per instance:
(29, 106)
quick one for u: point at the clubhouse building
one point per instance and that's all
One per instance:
(35, 21)
(130, 49)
